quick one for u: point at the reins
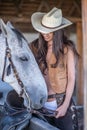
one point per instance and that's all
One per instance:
(41, 112)
(8, 55)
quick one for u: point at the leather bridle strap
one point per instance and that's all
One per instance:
(8, 55)
(3, 73)
(45, 112)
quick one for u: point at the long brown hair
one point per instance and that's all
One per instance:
(60, 41)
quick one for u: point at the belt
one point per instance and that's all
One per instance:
(57, 95)
(59, 98)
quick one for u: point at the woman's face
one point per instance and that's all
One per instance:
(48, 37)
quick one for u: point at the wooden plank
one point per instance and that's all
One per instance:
(76, 4)
(25, 19)
(37, 124)
(74, 19)
(36, 4)
(79, 66)
(44, 4)
(16, 19)
(84, 23)
(9, 11)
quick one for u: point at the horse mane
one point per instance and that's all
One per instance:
(19, 36)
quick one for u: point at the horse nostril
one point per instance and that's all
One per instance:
(42, 101)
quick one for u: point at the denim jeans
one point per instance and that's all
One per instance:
(67, 122)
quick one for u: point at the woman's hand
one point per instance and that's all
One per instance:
(61, 111)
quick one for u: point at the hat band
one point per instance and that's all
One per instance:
(51, 27)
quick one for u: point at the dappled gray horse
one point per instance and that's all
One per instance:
(20, 70)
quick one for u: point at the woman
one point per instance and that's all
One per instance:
(56, 56)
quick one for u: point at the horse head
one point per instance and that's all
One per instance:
(19, 67)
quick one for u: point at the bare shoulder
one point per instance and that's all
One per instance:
(68, 50)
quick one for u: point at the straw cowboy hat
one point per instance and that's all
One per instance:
(49, 22)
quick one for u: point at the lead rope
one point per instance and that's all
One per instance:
(8, 55)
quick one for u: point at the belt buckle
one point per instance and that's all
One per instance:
(59, 99)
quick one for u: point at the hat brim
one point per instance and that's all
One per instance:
(36, 19)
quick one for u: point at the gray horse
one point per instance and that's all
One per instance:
(18, 67)
(19, 71)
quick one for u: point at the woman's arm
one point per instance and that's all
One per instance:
(70, 85)
(71, 76)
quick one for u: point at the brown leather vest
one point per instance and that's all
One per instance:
(58, 76)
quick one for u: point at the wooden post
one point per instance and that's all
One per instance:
(79, 71)
(84, 23)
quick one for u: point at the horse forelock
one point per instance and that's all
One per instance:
(20, 36)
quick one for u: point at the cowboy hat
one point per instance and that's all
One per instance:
(49, 22)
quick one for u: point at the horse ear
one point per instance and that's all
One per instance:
(3, 27)
(9, 24)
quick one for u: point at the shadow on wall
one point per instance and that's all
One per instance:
(30, 36)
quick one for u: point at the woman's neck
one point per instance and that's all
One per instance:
(49, 44)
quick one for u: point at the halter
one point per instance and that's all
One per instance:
(8, 55)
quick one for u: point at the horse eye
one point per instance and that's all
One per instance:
(24, 58)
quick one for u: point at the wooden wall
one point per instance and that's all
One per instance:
(19, 11)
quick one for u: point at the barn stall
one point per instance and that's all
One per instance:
(19, 12)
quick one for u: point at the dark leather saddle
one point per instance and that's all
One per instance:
(13, 115)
